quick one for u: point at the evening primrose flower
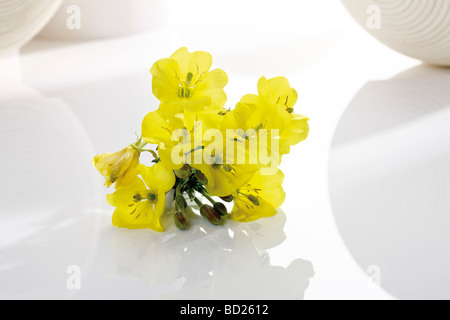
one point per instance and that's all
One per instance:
(225, 169)
(178, 136)
(141, 204)
(273, 108)
(277, 91)
(223, 179)
(119, 168)
(159, 130)
(259, 198)
(184, 81)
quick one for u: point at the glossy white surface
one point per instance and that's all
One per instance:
(389, 175)
(86, 98)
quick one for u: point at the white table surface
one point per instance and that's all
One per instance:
(344, 209)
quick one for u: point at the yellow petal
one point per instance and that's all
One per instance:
(123, 197)
(269, 195)
(157, 128)
(158, 178)
(129, 174)
(144, 215)
(166, 75)
(197, 63)
(278, 91)
(222, 183)
(212, 86)
(117, 167)
(296, 130)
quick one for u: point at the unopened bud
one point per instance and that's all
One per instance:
(221, 209)
(181, 202)
(180, 221)
(227, 199)
(201, 178)
(184, 172)
(210, 214)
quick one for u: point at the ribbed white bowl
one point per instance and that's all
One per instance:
(417, 28)
(21, 20)
(103, 18)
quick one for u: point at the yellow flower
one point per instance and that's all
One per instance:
(273, 108)
(178, 136)
(260, 198)
(158, 129)
(277, 91)
(184, 81)
(119, 167)
(224, 162)
(224, 179)
(141, 204)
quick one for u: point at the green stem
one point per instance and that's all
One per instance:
(198, 202)
(178, 189)
(207, 196)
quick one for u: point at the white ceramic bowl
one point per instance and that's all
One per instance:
(87, 19)
(21, 20)
(417, 28)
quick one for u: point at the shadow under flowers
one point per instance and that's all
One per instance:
(210, 262)
(389, 181)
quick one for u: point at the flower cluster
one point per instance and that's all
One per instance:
(202, 151)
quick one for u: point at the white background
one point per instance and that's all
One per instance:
(77, 99)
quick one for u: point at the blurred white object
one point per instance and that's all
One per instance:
(417, 28)
(87, 19)
(10, 67)
(21, 20)
(389, 182)
(46, 171)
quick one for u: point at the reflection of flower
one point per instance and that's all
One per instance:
(212, 262)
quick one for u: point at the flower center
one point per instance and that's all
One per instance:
(145, 195)
(152, 197)
(186, 87)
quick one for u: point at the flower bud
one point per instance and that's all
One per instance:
(181, 221)
(181, 202)
(210, 214)
(201, 177)
(221, 209)
(184, 172)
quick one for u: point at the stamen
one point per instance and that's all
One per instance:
(227, 168)
(189, 78)
(253, 199)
